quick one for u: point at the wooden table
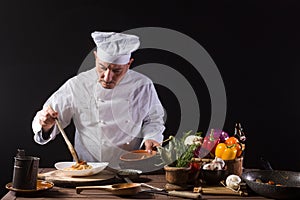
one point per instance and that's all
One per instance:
(157, 180)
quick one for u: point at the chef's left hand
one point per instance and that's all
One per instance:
(150, 145)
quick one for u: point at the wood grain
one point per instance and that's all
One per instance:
(59, 179)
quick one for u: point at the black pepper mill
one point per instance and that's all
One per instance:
(25, 171)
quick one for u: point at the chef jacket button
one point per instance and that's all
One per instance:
(127, 121)
(99, 99)
(102, 122)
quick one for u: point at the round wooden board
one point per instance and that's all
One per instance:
(59, 179)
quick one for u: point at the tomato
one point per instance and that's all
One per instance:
(195, 166)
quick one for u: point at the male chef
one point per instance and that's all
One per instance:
(114, 109)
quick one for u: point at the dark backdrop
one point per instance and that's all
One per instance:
(254, 44)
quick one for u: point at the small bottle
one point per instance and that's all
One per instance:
(236, 130)
(240, 135)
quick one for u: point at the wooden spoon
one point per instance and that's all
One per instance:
(120, 189)
(70, 146)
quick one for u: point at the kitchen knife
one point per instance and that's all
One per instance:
(183, 194)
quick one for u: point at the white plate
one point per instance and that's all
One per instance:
(96, 168)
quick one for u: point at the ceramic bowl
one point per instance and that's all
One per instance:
(213, 177)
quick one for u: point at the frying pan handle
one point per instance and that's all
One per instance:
(265, 163)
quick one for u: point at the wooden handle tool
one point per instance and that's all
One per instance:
(70, 146)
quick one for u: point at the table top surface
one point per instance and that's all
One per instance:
(157, 180)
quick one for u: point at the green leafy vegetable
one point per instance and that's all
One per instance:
(176, 153)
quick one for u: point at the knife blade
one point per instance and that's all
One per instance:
(174, 193)
(144, 184)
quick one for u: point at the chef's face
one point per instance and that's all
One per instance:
(110, 74)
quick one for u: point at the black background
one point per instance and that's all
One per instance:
(254, 44)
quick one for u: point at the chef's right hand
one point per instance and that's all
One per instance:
(47, 118)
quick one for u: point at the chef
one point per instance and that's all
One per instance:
(114, 109)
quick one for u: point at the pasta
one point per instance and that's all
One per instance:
(82, 165)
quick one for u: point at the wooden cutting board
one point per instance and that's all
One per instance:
(59, 179)
(221, 190)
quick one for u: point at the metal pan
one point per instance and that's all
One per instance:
(287, 183)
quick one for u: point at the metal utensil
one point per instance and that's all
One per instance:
(174, 193)
(190, 195)
(286, 183)
(70, 146)
(129, 173)
(144, 184)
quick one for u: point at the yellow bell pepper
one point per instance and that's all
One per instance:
(226, 152)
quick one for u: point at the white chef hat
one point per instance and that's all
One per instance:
(114, 47)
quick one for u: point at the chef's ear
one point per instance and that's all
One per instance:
(130, 62)
(95, 54)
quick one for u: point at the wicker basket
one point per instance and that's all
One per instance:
(235, 166)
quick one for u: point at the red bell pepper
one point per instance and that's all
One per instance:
(209, 145)
(211, 141)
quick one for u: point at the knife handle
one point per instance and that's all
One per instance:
(190, 195)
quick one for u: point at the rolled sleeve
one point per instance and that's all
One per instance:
(153, 126)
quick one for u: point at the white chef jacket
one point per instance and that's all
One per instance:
(108, 122)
